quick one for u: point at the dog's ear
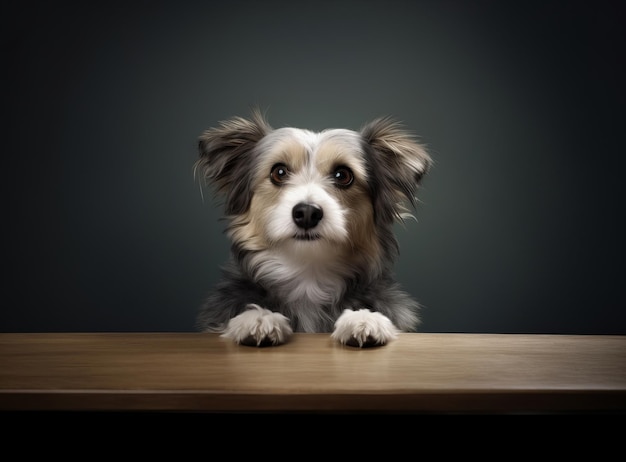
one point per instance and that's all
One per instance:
(226, 158)
(398, 162)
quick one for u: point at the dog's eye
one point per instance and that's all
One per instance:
(279, 174)
(343, 177)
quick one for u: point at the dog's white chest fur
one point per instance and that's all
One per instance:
(308, 288)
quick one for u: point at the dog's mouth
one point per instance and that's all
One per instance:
(307, 236)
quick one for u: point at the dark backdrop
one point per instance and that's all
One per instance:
(520, 226)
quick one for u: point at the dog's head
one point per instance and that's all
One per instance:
(337, 191)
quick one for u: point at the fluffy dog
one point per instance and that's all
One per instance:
(310, 217)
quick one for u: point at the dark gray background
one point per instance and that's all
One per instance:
(520, 226)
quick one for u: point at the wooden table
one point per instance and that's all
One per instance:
(417, 373)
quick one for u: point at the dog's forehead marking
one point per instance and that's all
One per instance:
(287, 138)
(314, 153)
(329, 148)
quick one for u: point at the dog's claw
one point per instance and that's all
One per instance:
(363, 329)
(258, 327)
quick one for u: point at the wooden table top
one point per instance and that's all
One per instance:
(444, 373)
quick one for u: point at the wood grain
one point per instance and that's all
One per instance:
(415, 373)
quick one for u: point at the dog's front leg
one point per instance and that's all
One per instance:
(259, 327)
(363, 328)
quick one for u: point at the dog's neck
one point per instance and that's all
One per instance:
(320, 281)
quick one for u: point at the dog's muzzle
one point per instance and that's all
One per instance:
(306, 216)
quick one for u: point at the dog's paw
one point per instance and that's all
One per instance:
(258, 327)
(364, 328)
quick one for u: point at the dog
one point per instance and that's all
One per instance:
(310, 219)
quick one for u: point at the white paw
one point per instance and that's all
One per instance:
(258, 327)
(364, 328)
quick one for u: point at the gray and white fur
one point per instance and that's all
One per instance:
(310, 217)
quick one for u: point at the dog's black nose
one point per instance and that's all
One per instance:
(306, 216)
